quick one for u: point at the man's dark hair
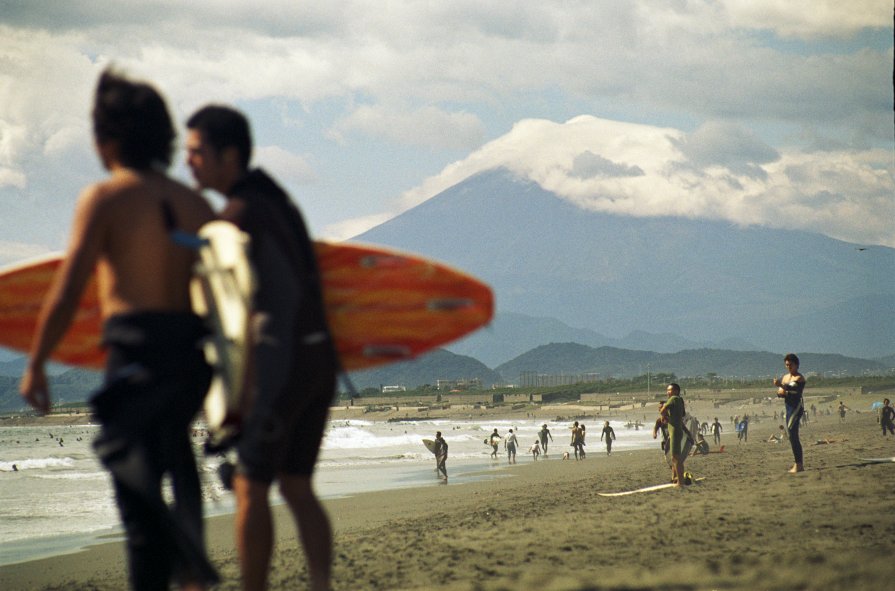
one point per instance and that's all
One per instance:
(133, 114)
(792, 358)
(676, 387)
(224, 127)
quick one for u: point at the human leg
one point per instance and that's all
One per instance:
(148, 564)
(254, 530)
(792, 423)
(313, 526)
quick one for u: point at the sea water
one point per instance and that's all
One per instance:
(56, 498)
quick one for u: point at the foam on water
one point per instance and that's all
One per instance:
(61, 496)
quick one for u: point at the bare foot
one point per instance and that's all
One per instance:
(796, 468)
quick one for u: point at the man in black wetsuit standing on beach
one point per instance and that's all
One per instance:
(292, 360)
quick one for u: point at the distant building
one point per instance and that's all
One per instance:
(540, 380)
(387, 389)
(459, 385)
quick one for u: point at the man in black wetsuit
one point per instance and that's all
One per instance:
(126, 229)
(292, 356)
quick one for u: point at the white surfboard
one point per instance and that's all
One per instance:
(646, 489)
(221, 292)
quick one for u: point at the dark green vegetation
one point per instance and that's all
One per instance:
(563, 369)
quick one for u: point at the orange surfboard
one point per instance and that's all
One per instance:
(382, 305)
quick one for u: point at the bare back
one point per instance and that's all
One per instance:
(139, 266)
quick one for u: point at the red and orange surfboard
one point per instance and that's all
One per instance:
(382, 305)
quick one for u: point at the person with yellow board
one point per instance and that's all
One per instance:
(292, 360)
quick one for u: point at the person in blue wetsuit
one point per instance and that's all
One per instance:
(790, 388)
(126, 229)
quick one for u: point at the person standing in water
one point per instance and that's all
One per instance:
(495, 443)
(543, 434)
(511, 444)
(790, 388)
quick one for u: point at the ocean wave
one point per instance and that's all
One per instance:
(38, 463)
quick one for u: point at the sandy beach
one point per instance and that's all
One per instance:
(543, 525)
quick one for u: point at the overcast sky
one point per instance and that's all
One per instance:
(756, 111)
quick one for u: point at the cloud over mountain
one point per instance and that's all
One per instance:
(718, 171)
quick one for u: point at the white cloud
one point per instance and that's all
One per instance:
(286, 166)
(730, 175)
(428, 126)
(810, 18)
(446, 76)
(352, 227)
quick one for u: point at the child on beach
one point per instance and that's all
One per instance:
(535, 450)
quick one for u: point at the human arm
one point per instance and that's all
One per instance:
(62, 301)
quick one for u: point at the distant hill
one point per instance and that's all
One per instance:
(574, 358)
(512, 334)
(427, 369)
(705, 281)
(72, 385)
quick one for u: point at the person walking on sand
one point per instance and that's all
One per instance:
(543, 434)
(582, 433)
(790, 388)
(441, 454)
(511, 443)
(743, 429)
(576, 441)
(842, 410)
(887, 418)
(609, 434)
(716, 431)
(495, 442)
(130, 228)
(672, 412)
(293, 363)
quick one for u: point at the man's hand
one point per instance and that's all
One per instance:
(34, 388)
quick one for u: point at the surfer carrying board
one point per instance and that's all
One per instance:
(292, 361)
(495, 443)
(790, 388)
(609, 434)
(126, 228)
(441, 454)
(672, 411)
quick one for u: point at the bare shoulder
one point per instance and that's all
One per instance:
(192, 209)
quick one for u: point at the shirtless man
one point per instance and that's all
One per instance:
(125, 229)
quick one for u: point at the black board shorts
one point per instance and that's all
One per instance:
(283, 432)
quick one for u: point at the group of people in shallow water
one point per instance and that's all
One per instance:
(543, 440)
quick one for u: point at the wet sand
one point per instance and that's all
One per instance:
(748, 526)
